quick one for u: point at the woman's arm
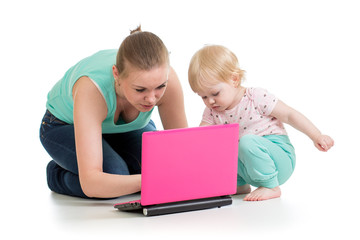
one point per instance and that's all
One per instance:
(171, 105)
(89, 112)
(297, 120)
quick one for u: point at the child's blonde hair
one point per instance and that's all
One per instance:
(213, 64)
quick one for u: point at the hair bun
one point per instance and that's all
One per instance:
(138, 29)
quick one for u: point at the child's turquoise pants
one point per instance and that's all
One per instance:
(265, 161)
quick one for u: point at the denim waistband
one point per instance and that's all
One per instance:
(50, 118)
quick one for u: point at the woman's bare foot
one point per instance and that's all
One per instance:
(244, 189)
(263, 193)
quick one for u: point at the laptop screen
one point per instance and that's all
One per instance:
(189, 163)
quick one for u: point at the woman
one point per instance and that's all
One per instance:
(97, 112)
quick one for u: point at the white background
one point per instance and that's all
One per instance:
(305, 52)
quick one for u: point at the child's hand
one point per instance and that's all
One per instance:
(323, 143)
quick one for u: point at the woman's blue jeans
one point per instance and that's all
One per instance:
(121, 154)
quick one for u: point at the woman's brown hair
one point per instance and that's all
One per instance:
(142, 50)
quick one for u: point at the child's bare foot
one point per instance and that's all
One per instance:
(244, 189)
(263, 193)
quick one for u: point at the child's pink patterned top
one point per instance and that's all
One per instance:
(252, 114)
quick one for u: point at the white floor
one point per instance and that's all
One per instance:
(318, 201)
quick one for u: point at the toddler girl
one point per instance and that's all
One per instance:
(266, 156)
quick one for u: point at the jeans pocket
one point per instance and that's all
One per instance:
(49, 122)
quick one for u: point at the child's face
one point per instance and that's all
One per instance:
(220, 97)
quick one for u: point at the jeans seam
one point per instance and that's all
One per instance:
(60, 146)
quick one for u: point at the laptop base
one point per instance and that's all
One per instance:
(177, 207)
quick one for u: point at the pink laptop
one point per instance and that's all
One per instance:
(187, 169)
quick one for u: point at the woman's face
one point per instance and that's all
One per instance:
(142, 89)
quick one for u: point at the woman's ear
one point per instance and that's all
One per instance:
(116, 75)
(115, 72)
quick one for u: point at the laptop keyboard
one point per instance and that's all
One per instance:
(128, 206)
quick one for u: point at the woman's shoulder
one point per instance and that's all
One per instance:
(101, 57)
(106, 52)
